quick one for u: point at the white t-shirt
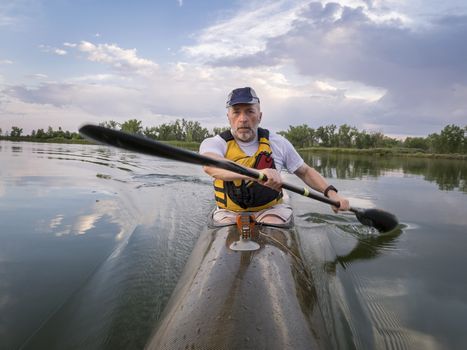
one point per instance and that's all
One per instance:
(284, 154)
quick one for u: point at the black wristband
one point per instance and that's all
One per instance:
(329, 188)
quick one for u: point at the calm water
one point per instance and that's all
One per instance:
(93, 240)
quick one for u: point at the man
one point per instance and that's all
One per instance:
(247, 144)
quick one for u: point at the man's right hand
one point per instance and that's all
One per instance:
(274, 180)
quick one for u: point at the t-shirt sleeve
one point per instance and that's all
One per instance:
(215, 145)
(292, 160)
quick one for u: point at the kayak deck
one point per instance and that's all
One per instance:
(227, 299)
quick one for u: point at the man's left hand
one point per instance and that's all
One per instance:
(344, 202)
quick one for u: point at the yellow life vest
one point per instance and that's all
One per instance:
(244, 195)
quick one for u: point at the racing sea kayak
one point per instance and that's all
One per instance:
(229, 298)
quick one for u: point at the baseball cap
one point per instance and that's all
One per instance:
(242, 95)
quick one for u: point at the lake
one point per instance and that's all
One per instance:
(94, 239)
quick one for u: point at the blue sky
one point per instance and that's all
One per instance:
(399, 67)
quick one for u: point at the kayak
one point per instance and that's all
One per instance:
(255, 294)
(228, 298)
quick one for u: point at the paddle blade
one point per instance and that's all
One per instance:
(377, 218)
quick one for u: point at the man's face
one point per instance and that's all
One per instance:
(244, 120)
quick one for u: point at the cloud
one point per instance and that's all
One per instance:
(54, 50)
(123, 60)
(183, 90)
(246, 33)
(89, 98)
(180, 3)
(371, 64)
(6, 62)
(402, 72)
(38, 76)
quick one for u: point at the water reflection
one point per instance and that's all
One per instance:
(367, 247)
(338, 249)
(58, 223)
(362, 242)
(448, 174)
(98, 155)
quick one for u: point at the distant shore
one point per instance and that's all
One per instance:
(382, 152)
(194, 146)
(183, 144)
(45, 140)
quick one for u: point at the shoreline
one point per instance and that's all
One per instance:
(182, 144)
(382, 152)
(194, 146)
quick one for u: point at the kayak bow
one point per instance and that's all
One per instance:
(258, 299)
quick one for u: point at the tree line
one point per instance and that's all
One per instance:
(451, 139)
(179, 130)
(42, 134)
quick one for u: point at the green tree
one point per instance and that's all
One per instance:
(178, 131)
(152, 132)
(452, 139)
(363, 140)
(132, 126)
(220, 130)
(390, 142)
(376, 139)
(111, 124)
(332, 135)
(464, 148)
(76, 136)
(346, 135)
(59, 133)
(193, 131)
(16, 131)
(50, 132)
(300, 136)
(417, 142)
(41, 134)
(166, 132)
(326, 135)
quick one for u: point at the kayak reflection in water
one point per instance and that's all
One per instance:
(251, 146)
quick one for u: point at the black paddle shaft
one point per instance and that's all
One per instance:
(155, 148)
(382, 220)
